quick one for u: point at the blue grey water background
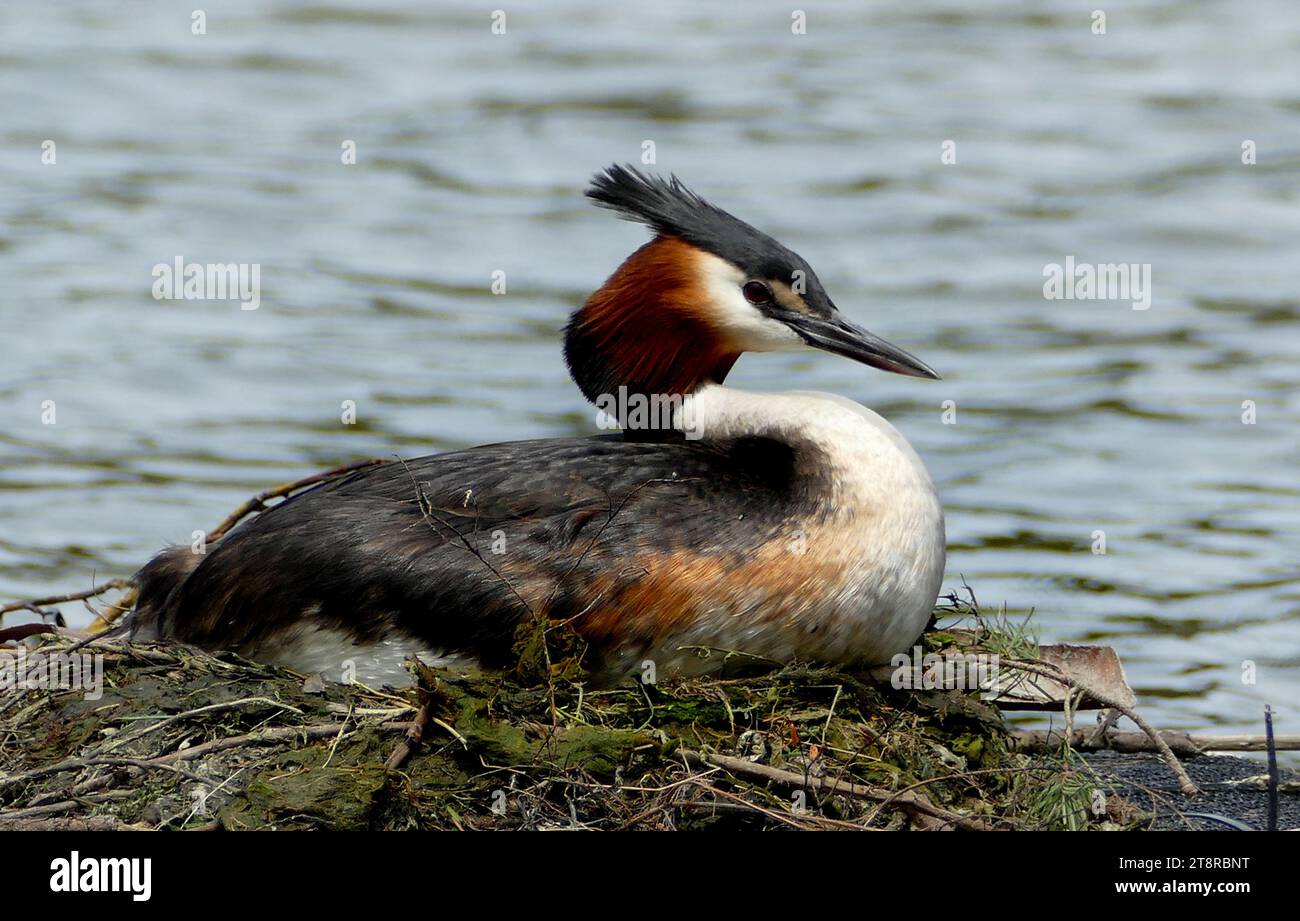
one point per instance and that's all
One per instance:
(473, 150)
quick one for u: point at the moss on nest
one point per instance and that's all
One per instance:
(182, 739)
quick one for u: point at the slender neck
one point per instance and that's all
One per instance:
(643, 333)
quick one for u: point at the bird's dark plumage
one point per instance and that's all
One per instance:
(410, 546)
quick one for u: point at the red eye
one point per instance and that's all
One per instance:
(756, 292)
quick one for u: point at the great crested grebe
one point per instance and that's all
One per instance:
(789, 526)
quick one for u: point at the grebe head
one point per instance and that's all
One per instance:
(682, 308)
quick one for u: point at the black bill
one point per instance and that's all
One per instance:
(838, 335)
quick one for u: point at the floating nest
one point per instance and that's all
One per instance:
(175, 738)
(182, 739)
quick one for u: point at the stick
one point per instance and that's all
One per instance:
(413, 736)
(739, 803)
(908, 801)
(1270, 741)
(1184, 781)
(1187, 745)
(164, 721)
(261, 737)
(170, 761)
(89, 823)
(34, 603)
(32, 812)
(258, 502)
(77, 764)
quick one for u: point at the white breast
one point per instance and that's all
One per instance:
(886, 522)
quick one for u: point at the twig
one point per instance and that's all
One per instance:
(1056, 674)
(35, 603)
(1185, 744)
(77, 764)
(260, 737)
(334, 746)
(1271, 744)
(88, 823)
(169, 762)
(30, 812)
(907, 801)
(413, 736)
(258, 502)
(793, 819)
(164, 721)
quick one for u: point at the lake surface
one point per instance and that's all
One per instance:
(1072, 416)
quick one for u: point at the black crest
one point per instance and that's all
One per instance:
(669, 208)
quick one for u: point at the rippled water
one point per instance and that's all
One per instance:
(473, 149)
